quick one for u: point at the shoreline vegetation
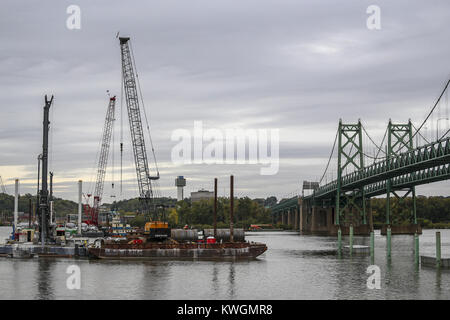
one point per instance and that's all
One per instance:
(432, 212)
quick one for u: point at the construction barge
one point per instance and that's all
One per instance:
(182, 244)
(227, 250)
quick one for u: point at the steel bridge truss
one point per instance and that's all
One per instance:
(403, 168)
(350, 152)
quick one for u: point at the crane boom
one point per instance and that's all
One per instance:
(104, 152)
(91, 213)
(137, 133)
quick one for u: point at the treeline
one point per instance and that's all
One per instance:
(200, 214)
(61, 207)
(133, 206)
(431, 211)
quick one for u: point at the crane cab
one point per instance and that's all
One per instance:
(157, 230)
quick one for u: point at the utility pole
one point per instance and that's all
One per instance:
(43, 199)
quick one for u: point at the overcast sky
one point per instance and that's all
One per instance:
(297, 66)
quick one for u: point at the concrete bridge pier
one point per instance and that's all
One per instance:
(296, 219)
(289, 220)
(302, 217)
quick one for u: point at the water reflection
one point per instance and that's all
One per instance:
(294, 267)
(155, 279)
(215, 280)
(231, 279)
(44, 279)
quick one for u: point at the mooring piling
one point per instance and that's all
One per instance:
(372, 244)
(339, 241)
(416, 249)
(388, 239)
(351, 239)
(438, 249)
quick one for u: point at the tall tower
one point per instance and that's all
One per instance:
(180, 183)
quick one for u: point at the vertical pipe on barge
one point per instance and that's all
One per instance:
(43, 198)
(231, 208)
(215, 207)
(16, 205)
(51, 197)
(30, 210)
(80, 190)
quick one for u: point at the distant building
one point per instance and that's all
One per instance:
(201, 195)
(180, 183)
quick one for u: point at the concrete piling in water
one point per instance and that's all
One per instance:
(339, 242)
(416, 249)
(438, 249)
(351, 239)
(388, 240)
(372, 244)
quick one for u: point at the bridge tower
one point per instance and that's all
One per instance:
(400, 139)
(350, 154)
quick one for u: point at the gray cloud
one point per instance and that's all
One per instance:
(296, 66)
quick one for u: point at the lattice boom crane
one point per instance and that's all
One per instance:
(102, 162)
(137, 133)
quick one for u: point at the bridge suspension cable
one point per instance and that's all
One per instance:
(444, 134)
(432, 109)
(331, 155)
(421, 135)
(380, 149)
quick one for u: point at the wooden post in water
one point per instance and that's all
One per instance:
(215, 207)
(231, 208)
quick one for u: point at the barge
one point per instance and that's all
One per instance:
(205, 251)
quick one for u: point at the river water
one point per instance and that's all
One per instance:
(294, 267)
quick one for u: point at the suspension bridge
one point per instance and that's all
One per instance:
(342, 203)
